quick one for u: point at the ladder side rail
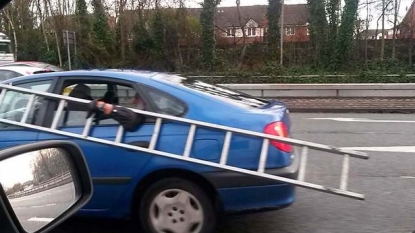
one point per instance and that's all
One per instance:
(303, 184)
(294, 142)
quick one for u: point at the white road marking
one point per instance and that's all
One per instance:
(407, 177)
(397, 149)
(35, 219)
(365, 120)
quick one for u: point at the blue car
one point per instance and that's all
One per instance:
(163, 194)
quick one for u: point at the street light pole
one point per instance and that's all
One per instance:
(282, 33)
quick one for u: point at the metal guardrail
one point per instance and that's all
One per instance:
(51, 183)
(289, 76)
(389, 90)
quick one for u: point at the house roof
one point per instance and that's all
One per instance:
(294, 14)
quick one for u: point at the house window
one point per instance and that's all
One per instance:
(289, 31)
(308, 31)
(251, 31)
(230, 32)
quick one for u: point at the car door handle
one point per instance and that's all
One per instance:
(144, 144)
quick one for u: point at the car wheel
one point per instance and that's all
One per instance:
(175, 205)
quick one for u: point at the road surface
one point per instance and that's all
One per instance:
(387, 180)
(36, 210)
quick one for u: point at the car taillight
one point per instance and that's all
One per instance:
(278, 129)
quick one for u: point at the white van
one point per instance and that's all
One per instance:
(6, 51)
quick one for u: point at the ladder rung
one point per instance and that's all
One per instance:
(156, 133)
(28, 108)
(120, 133)
(2, 95)
(225, 148)
(189, 141)
(88, 125)
(58, 114)
(303, 163)
(345, 172)
(263, 156)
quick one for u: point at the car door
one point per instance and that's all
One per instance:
(12, 108)
(114, 170)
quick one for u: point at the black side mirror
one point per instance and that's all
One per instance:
(41, 185)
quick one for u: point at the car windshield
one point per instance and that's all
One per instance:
(225, 94)
(5, 47)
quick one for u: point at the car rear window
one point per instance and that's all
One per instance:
(228, 95)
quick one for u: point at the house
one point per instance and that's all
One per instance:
(254, 21)
(407, 27)
(253, 18)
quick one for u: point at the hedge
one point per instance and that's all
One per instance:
(309, 79)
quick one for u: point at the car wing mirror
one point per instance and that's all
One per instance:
(41, 185)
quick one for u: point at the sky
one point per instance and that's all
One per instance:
(16, 170)
(405, 4)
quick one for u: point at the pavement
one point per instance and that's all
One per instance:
(37, 210)
(387, 179)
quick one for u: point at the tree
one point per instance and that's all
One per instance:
(102, 36)
(273, 16)
(207, 17)
(48, 164)
(345, 37)
(318, 30)
(397, 7)
(333, 11)
(242, 23)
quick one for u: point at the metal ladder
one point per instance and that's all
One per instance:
(259, 172)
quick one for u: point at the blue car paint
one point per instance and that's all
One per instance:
(114, 200)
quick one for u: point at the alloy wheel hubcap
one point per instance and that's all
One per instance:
(176, 211)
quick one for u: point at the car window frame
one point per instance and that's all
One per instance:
(43, 109)
(93, 78)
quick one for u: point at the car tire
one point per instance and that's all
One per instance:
(176, 205)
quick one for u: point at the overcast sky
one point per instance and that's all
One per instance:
(405, 4)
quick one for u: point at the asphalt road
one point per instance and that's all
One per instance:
(37, 210)
(387, 180)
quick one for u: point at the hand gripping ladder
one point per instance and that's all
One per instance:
(259, 172)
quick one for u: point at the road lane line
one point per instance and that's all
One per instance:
(36, 219)
(364, 120)
(407, 177)
(396, 149)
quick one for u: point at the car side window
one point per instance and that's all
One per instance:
(128, 97)
(75, 113)
(165, 103)
(14, 103)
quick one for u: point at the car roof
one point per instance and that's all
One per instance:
(21, 69)
(130, 75)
